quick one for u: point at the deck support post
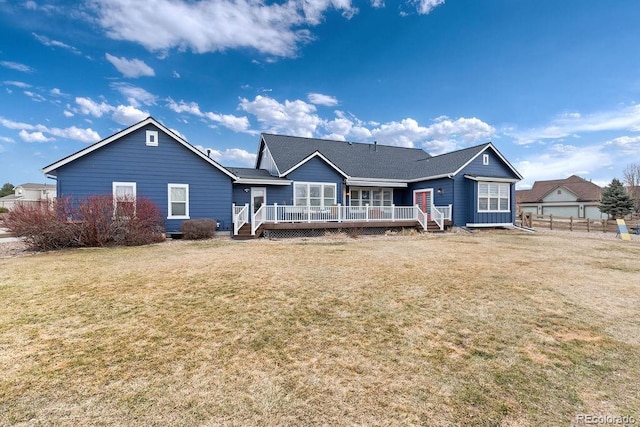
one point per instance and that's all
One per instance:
(275, 213)
(393, 212)
(367, 212)
(339, 212)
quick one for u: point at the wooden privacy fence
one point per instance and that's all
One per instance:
(552, 222)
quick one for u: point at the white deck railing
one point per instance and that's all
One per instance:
(240, 217)
(314, 214)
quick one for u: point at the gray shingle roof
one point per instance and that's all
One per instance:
(376, 161)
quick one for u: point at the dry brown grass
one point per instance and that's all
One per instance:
(485, 329)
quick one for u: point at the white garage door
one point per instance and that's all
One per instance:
(561, 211)
(594, 213)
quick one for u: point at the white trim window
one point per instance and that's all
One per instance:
(494, 197)
(152, 138)
(316, 194)
(372, 196)
(178, 202)
(124, 198)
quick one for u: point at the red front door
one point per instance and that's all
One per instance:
(424, 199)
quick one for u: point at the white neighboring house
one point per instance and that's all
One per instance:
(29, 193)
(570, 197)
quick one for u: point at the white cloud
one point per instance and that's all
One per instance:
(562, 161)
(235, 123)
(136, 96)
(1, 149)
(36, 97)
(320, 99)
(37, 133)
(54, 43)
(293, 117)
(625, 118)
(7, 139)
(442, 136)
(17, 66)
(629, 145)
(21, 85)
(274, 29)
(130, 67)
(33, 136)
(176, 74)
(424, 7)
(68, 113)
(128, 115)
(10, 124)
(90, 107)
(232, 156)
(377, 3)
(77, 134)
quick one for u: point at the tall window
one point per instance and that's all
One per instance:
(494, 197)
(178, 201)
(370, 196)
(124, 198)
(316, 194)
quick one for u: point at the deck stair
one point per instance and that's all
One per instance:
(245, 233)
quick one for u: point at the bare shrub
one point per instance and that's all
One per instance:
(93, 221)
(43, 226)
(194, 229)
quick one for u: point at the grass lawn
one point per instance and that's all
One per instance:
(486, 329)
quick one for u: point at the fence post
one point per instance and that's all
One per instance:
(588, 225)
(604, 225)
(550, 221)
(571, 223)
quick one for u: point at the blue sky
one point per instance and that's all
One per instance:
(555, 85)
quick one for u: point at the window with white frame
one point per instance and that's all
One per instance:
(152, 138)
(124, 198)
(178, 201)
(494, 197)
(315, 194)
(362, 196)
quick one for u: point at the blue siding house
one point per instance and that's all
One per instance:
(297, 183)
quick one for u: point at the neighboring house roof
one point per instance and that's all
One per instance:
(51, 169)
(585, 191)
(372, 161)
(32, 186)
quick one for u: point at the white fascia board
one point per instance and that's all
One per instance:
(311, 156)
(490, 179)
(428, 178)
(367, 182)
(149, 120)
(262, 181)
(495, 150)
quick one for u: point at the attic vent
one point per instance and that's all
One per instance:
(485, 159)
(152, 138)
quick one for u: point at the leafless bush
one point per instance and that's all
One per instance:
(194, 229)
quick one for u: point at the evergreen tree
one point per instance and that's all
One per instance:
(6, 189)
(615, 200)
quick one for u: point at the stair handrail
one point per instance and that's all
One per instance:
(240, 217)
